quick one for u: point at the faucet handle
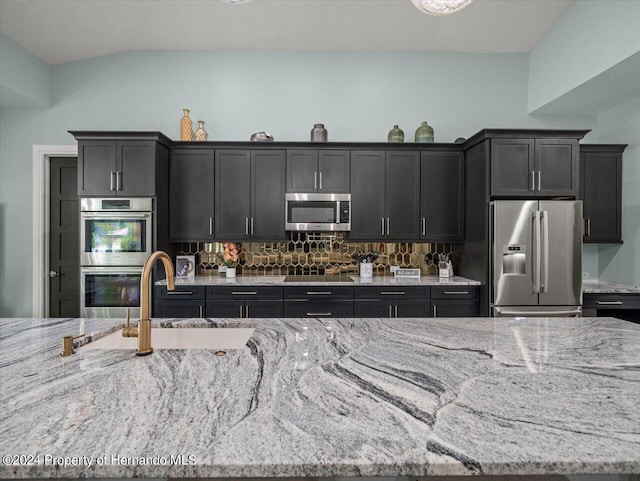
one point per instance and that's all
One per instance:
(127, 330)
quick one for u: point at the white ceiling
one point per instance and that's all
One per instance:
(59, 31)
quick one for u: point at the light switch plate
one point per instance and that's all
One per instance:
(585, 275)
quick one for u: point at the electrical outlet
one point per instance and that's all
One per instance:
(585, 275)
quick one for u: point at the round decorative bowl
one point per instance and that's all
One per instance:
(261, 137)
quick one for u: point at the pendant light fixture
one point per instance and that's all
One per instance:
(440, 7)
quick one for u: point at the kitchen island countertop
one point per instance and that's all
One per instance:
(326, 397)
(601, 287)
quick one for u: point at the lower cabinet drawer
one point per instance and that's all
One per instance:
(611, 301)
(244, 309)
(392, 292)
(244, 292)
(179, 293)
(318, 292)
(178, 308)
(388, 309)
(313, 308)
(455, 292)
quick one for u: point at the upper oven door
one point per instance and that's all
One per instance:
(115, 239)
(318, 212)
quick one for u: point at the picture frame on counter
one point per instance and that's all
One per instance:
(185, 267)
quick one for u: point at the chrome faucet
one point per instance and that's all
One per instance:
(143, 331)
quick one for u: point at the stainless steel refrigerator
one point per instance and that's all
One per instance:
(536, 258)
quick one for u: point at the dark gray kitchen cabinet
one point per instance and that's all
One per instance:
(116, 168)
(183, 301)
(601, 192)
(244, 301)
(249, 195)
(391, 302)
(541, 167)
(318, 301)
(313, 170)
(191, 199)
(385, 195)
(455, 301)
(442, 196)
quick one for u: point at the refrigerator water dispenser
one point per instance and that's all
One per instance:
(514, 260)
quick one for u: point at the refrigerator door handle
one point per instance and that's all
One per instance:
(536, 248)
(544, 283)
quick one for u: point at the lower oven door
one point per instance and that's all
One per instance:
(107, 292)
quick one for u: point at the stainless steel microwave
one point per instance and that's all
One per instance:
(318, 212)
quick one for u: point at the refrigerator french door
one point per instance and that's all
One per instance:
(536, 258)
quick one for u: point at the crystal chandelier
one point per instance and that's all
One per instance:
(440, 7)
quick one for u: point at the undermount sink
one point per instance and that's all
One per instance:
(179, 338)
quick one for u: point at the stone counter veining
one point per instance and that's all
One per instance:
(329, 397)
(596, 287)
(357, 281)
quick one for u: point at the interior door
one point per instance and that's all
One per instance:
(64, 287)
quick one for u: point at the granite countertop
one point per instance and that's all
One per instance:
(327, 397)
(357, 281)
(597, 287)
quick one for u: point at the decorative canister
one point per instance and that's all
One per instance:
(424, 133)
(186, 126)
(231, 271)
(201, 134)
(396, 134)
(318, 133)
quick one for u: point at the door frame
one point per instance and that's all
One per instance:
(41, 161)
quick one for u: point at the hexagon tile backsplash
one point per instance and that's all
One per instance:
(317, 254)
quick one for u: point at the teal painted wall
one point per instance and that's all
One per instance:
(25, 80)
(591, 37)
(359, 96)
(621, 125)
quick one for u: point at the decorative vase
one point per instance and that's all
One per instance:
(231, 271)
(366, 269)
(424, 133)
(318, 133)
(201, 134)
(396, 135)
(186, 126)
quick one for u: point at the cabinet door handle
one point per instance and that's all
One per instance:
(246, 311)
(588, 227)
(252, 226)
(244, 293)
(456, 292)
(201, 311)
(539, 180)
(179, 293)
(609, 303)
(396, 309)
(210, 225)
(435, 311)
(319, 293)
(424, 226)
(387, 226)
(533, 180)
(392, 293)
(389, 311)
(112, 185)
(118, 180)
(320, 180)
(319, 314)
(315, 180)
(382, 219)
(246, 226)
(240, 310)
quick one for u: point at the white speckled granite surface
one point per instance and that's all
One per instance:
(357, 281)
(321, 397)
(596, 287)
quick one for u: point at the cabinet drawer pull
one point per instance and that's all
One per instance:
(392, 293)
(456, 292)
(244, 293)
(609, 303)
(319, 293)
(319, 314)
(179, 293)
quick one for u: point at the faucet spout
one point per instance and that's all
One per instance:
(144, 325)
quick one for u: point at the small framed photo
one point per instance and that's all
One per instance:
(186, 267)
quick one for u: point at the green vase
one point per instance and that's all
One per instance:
(396, 135)
(424, 133)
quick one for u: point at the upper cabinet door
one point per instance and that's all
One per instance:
(442, 196)
(267, 200)
(556, 164)
(302, 171)
(97, 168)
(367, 195)
(512, 167)
(191, 180)
(402, 196)
(136, 173)
(334, 168)
(232, 194)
